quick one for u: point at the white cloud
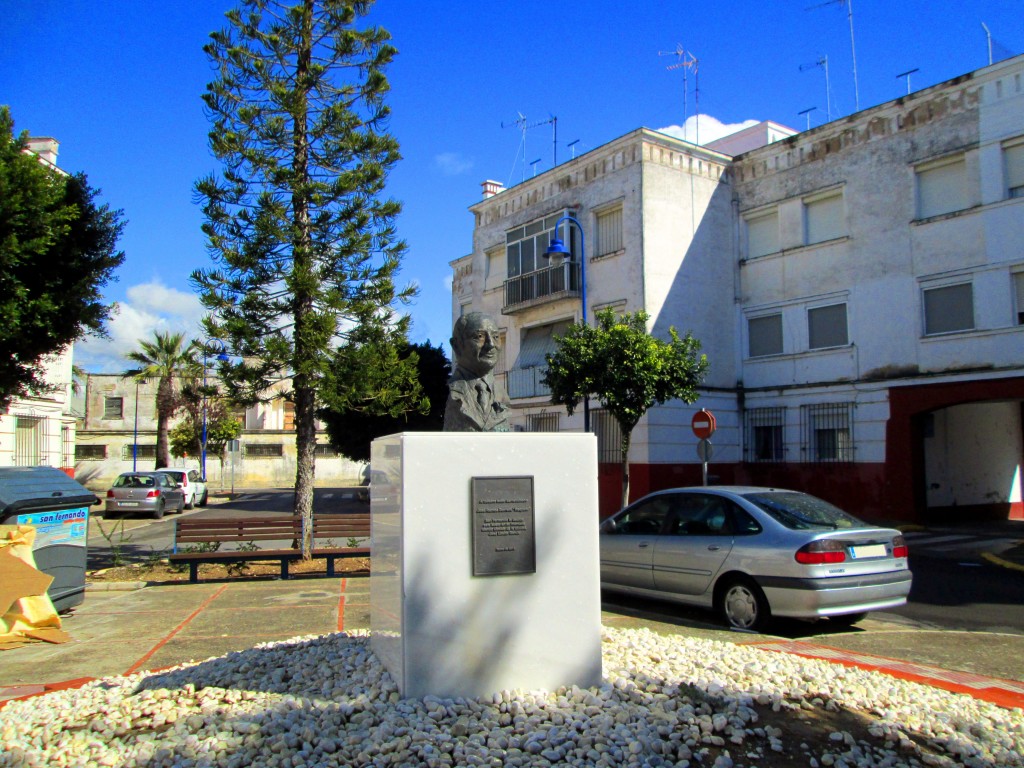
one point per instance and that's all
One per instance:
(149, 307)
(452, 163)
(708, 129)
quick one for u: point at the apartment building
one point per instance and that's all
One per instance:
(858, 289)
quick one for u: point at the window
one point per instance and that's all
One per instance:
(948, 309)
(763, 234)
(765, 434)
(609, 231)
(1018, 289)
(495, 268)
(645, 518)
(142, 452)
(325, 451)
(941, 187)
(828, 432)
(609, 437)
(525, 246)
(824, 218)
(113, 408)
(263, 450)
(826, 327)
(29, 440)
(764, 335)
(289, 415)
(524, 378)
(90, 452)
(1014, 159)
(542, 422)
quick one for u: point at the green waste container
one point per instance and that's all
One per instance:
(58, 508)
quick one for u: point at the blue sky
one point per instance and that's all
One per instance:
(118, 84)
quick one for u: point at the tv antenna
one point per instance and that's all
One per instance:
(525, 125)
(823, 63)
(685, 60)
(907, 75)
(807, 114)
(853, 48)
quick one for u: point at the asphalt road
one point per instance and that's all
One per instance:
(954, 588)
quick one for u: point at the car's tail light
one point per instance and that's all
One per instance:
(153, 494)
(899, 547)
(110, 493)
(821, 552)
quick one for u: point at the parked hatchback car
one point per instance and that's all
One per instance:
(192, 483)
(753, 553)
(152, 493)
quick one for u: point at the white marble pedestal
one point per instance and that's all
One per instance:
(441, 630)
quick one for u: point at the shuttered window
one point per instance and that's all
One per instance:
(1014, 157)
(113, 408)
(609, 231)
(763, 234)
(941, 188)
(1018, 287)
(826, 327)
(949, 309)
(824, 218)
(765, 335)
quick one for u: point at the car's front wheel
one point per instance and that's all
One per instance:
(743, 605)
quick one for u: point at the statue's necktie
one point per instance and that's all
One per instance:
(483, 396)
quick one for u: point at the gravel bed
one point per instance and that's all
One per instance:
(666, 701)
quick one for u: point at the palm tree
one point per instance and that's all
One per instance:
(166, 358)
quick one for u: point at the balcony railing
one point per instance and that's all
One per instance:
(526, 382)
(542, 285)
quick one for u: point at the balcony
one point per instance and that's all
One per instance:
(541, 286)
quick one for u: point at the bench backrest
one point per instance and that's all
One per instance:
(268, 528)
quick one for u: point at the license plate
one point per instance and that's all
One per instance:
(869, 550)
(129, 504)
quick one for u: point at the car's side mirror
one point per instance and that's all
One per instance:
(608, 526)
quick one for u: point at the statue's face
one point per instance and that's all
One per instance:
(478, 347)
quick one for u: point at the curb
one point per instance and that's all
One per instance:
(114, 586)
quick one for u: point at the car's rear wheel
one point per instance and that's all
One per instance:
(159, 511)
(848, 619)
(206, 496)
(743, 605)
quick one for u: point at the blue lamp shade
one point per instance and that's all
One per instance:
(223, 357)
(557, 247)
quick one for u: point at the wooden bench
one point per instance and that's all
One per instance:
(279, 528)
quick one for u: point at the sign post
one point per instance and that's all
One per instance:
(703, 425)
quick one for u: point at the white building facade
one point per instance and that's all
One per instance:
(858, 289)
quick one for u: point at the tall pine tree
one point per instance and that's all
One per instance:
(302, 236)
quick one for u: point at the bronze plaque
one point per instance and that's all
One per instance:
(503, 532)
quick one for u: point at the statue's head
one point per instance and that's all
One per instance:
(475, 343)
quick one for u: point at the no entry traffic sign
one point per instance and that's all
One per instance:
(703, 424)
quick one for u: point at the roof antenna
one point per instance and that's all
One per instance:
(686, 60)
(823, 63)
(523, 125)
(807, 112)
(907, 75)
(853, 48)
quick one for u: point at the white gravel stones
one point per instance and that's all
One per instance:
(667, 701)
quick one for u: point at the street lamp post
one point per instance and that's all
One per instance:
(558, 247)
(222, 356)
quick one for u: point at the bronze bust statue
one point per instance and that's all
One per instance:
(476, 402)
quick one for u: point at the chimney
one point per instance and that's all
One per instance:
(45, 149)
(491, 188)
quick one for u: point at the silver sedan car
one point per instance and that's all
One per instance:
(754, 553)
(152, 493)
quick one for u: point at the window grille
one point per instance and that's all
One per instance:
(609, 232)
(263, 450)
(609, 437)
(764, 335)
(113, 408)
(67, 440)
(144, 452)
(765, 434)
(828, 432)
(826, 327)
(949, 309)
(90, 452)
(326, 450)
(542, 422)
(29, 440)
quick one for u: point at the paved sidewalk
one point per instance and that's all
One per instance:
(120, 632)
